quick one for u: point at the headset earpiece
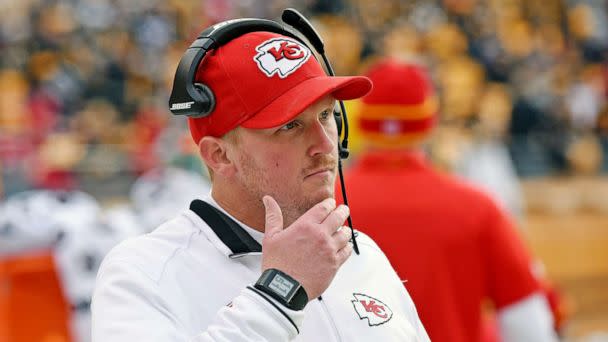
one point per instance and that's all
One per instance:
(207, 100)
(342, 143)
(344, 152)
(338, 118)
(197, 100)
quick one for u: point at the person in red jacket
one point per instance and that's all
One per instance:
(452, 246)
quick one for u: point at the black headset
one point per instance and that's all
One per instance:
(196, 100)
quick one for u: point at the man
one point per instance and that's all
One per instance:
(271, 148)
(451, 245)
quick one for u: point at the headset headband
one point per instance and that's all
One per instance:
(196, 100)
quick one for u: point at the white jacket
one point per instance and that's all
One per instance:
(185, 282)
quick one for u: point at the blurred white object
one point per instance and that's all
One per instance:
(123, 220)
(517, 320)
(584, 105)
(21, 231)
(78, 254)
(29, 220)
(69, 223)
(160, 194)
(488, 165)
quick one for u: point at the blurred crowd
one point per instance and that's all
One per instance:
(85, 83)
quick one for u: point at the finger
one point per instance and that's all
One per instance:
(344, 253)
(336, 218)
(274, 216)
(341, 237)
(319, 212)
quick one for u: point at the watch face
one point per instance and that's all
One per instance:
(281, 286)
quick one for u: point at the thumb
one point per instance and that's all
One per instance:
(274, 216)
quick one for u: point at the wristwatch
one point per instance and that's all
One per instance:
(283, 288)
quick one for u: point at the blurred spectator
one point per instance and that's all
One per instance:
(585, 156)
(148, 124)
(602, 128)
(586, 98)
(404, 42)
(461, 82)
(446, 41)
(487, 162)
(343, 42)
(14, 142)
(54, 164)
(588, 23)
(424, 220)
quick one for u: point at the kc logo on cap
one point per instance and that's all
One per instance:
(281, 56)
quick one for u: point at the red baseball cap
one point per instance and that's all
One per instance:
(263, 80)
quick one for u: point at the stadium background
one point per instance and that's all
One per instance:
(523, 87)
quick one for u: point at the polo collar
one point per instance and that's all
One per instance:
(228, 230)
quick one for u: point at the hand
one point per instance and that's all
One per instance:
(312, 249)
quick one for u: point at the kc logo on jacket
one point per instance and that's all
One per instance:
(281, 56)
(372, 309)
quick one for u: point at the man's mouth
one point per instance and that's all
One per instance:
(324, 171)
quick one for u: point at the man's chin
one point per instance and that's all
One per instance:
(321, 194)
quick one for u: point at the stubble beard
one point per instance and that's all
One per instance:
(293, 203)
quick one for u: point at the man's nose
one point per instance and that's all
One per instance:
(323, 139)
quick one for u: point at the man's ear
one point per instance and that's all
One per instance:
(214, 152)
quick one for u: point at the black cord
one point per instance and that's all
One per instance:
(343, 146)
(344, 127)
(350, 222)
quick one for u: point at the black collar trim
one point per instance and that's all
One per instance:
(226, 229)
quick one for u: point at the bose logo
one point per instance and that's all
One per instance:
(183, 105)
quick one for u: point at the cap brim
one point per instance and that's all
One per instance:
(293, 102)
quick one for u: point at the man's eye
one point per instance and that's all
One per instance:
(289, 126)
(325, 115)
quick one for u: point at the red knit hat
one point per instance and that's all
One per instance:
(401, 108)
(263, 80)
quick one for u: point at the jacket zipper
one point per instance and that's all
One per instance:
(331, 321)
